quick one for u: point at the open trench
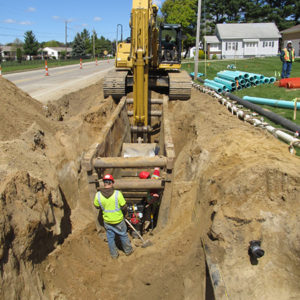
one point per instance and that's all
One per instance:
(231, 184)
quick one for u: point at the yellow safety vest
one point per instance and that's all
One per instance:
(287, 55)
(111, 207)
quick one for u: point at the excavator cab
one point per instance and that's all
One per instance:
(169, 48)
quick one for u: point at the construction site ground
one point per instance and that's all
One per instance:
(232, 184)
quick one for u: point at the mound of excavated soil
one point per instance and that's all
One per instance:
(18, 111)
(232, 183)
(39, 182)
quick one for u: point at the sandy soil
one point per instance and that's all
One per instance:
(232, 184)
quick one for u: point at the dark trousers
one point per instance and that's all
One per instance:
(286, 69)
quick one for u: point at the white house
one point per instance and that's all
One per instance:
(8, 53)
(292, 34)
(213, 46)
(244, 40)
(55, 51)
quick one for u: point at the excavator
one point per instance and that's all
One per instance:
(149, 60)
(137, 138)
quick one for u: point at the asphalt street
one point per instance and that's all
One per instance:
(61, 80)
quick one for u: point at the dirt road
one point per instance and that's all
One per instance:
(232, 184)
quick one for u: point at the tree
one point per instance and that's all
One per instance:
(0, 54)
(78, 46)
(85, 35)
(182, 12)
(31, 45)
(51, 44)
(103, 44)
(19, 55)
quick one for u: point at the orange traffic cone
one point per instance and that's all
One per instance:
(46, 68)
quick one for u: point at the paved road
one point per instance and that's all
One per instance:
(61, 80)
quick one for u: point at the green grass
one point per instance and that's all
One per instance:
(265, 66)
(14, 66)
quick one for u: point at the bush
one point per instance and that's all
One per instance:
(201, 54)
(214, 56)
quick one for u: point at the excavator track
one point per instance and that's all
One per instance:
(115, 84)
(180, 85)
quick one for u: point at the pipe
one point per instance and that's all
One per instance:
(244, 74)
(219, 90)
(220, 85)
(227, 76)
(272, 79)
(293, 142)
(242, 81)
(198, 75)
(272, 102)
(228, 83)
(268, 114)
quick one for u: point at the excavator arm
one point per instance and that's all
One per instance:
(143, 34)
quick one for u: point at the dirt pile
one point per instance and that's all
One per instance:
(232, 184)
(249, 184)
(36, 155)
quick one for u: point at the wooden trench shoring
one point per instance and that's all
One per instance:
(105, 156)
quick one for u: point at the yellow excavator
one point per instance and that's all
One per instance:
(137, 139)
(149, 59)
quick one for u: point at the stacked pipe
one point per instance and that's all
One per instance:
(227, 81)
(279, 133)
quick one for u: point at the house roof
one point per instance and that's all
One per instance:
(211, 39)
(58, 49)
(292, 29)
(8, 48)
(248, 31)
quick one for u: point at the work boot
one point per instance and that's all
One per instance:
(130, 252)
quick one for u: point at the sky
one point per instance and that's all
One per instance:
(47, 19)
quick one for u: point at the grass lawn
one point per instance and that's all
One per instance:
(265, 66)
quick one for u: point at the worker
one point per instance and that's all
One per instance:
(152, 201)
(114, 208)
(287, 57)
(168, 48)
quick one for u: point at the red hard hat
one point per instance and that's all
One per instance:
(144, 175)
(108, 177)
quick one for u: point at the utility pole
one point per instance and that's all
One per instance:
(94, 52)
(196, 57)
(117, 35)
(66, 37)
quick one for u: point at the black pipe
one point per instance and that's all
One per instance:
(270, 115)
